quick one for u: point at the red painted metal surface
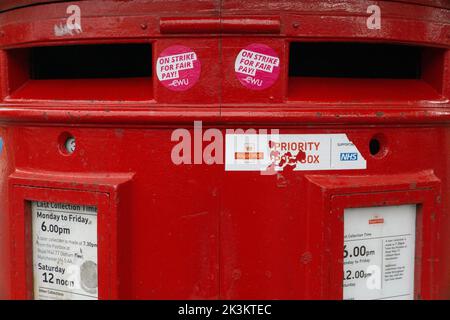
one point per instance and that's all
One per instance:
(220, 25)
(198, 231)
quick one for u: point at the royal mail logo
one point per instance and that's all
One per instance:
(376, 220)
(249, 147)
(249, 155)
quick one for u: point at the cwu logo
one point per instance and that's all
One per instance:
(349, 156)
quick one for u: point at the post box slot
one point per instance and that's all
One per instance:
(81, 72)
(369, 72)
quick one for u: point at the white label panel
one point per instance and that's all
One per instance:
(64, 251)
(297, 152)
(379, 244)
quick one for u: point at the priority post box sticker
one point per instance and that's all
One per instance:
(178, 68)
(291, 152)
(257, 66)
(379, 246)
(64, 242)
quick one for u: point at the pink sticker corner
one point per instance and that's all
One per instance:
(178, 68)
(257, 66)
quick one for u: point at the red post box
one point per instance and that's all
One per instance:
(224, 150)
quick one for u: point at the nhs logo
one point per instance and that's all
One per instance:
(349, 156)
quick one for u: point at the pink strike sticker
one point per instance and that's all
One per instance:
(257, 66)
(178, 68)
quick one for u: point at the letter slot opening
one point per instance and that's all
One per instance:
(364, 72)
(108, 72)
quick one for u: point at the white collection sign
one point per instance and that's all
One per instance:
(64, 251)
(379, 244)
